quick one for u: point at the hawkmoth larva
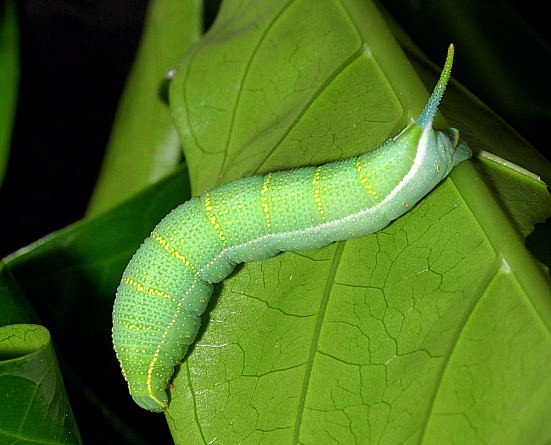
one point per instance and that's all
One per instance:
(167, 284)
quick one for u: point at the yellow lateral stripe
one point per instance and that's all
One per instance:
(164, 335)
(364, 179)
(173, 252)
(264, 200)
(212, 218)
(150, 291)
(317, 193)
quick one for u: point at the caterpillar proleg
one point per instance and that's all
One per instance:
(167, 284)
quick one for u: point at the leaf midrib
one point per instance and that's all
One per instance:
(330, 281)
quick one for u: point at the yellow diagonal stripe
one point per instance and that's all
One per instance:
(173, 252)
(264, 200)
(317, 193)
(364, 179)
(212, 218)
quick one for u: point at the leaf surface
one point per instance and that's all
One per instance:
(31, 389)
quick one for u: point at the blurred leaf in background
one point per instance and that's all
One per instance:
(35, 408)
(144, 146)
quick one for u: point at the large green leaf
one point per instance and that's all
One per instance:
(35, 409)
(437, 328)
(262, 90)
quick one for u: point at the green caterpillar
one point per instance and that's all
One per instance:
(167, 284)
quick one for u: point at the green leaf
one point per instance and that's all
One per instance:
(9, 74)
(35, 409)
(144, 146)
(435, 329)
(14, 307)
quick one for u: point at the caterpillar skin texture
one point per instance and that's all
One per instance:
(167, 284)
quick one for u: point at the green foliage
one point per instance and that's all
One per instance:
(35, 408)
(434, 330)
